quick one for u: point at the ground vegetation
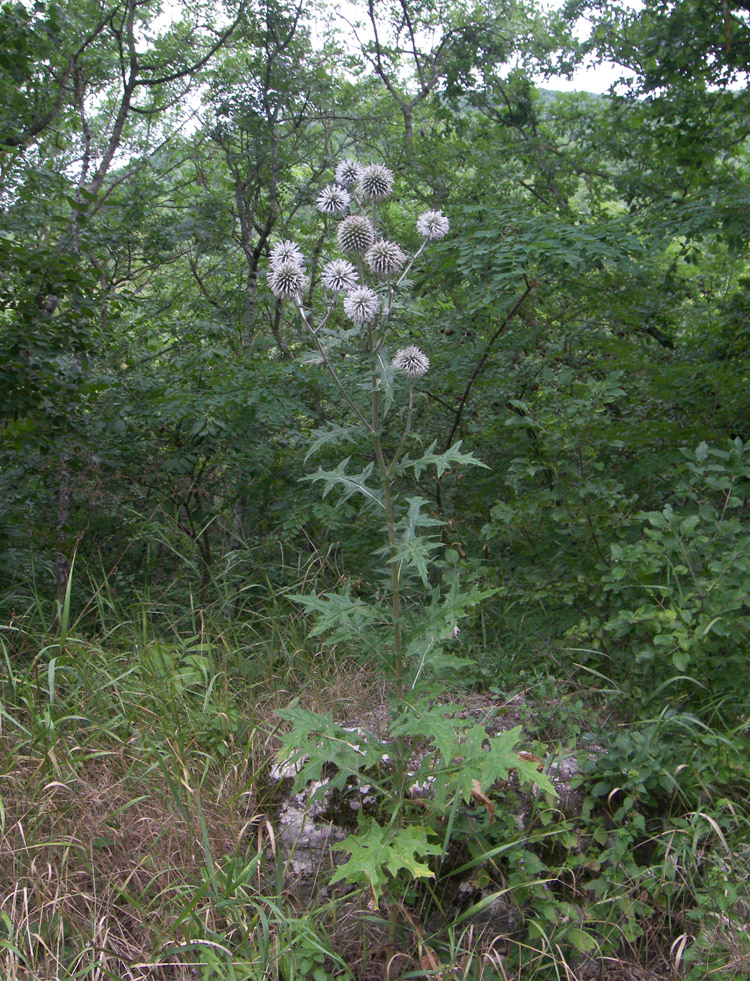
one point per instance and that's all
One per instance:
(468, 548)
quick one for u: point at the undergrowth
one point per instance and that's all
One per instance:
(140, 827)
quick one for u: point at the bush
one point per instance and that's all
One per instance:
(679, 591)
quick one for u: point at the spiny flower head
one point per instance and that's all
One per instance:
(356, 234)
(375, 182)
(286, 251)
(333, 200)
(412, 362)
(339, 276)
(348, 172)
(385, 258)
(287, 279)
(361, 305)
(433, 225)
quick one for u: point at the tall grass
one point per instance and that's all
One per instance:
(133, 823)
(138, 826)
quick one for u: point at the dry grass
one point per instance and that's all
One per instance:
(101, 860)
(137, 839)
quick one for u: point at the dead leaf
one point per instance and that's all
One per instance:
(428, 960)
(481, 798)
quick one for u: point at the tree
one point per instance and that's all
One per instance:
(83, 85)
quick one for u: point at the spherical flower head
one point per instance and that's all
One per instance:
(287, 280)
(412, 362)
(361, 305)
(385, 258)
(356, 234)
(339, 276)
(433, 225)
(333, 200)
(286, 251)
(375, 182)
(348, 172)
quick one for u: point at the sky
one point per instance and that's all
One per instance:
(594, 78)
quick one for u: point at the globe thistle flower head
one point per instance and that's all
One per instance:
(375, 182)
(333, 200)
(433, 225)
(361, 305)
(339, 276)
(348, 172)
(356, 234)
(411, 362)
(385, 258)
(286, 251)
(287, 280)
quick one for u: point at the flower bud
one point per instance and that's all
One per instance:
(411, 362)
(356, 234)
(361, 305)
(385, 258)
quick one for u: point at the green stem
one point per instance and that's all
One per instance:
(385, 477)
(411, 262)
(332, 371)
(398, 659)
(407, 430)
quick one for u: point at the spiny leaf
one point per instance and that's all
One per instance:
(338, 615)
(466, 753)
(441, 461)
(440, 618)
(375, 850)
(316, 741)
(351, 483)
(414, 553)
(333, 435)
(433, 723)
(414, 519)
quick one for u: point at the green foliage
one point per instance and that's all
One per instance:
(376, 850)
(679, 590)
(458, 761)
(586, 319)
(461, 755)
(307, 954)
(315, 743)
(442, 461)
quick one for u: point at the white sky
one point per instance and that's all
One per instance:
(595, 78)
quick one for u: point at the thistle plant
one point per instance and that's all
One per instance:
(412, 624)
(354, 199)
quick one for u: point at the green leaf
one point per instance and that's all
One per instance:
(414, 553)
(701, 452)
(376, 851)
(433, 723)
(438, 620)
(77, 205)
(466, 753)
(315, 742)
(338, 615)
(333, 436)
(351, 483)
(581, 941)
(441, 461)
(415, 519)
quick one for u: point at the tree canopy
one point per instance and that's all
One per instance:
(586, 317)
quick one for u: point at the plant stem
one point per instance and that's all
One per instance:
(385, 477)
(398, 659)
(332, 371)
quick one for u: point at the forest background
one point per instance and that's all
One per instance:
(587, 321)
